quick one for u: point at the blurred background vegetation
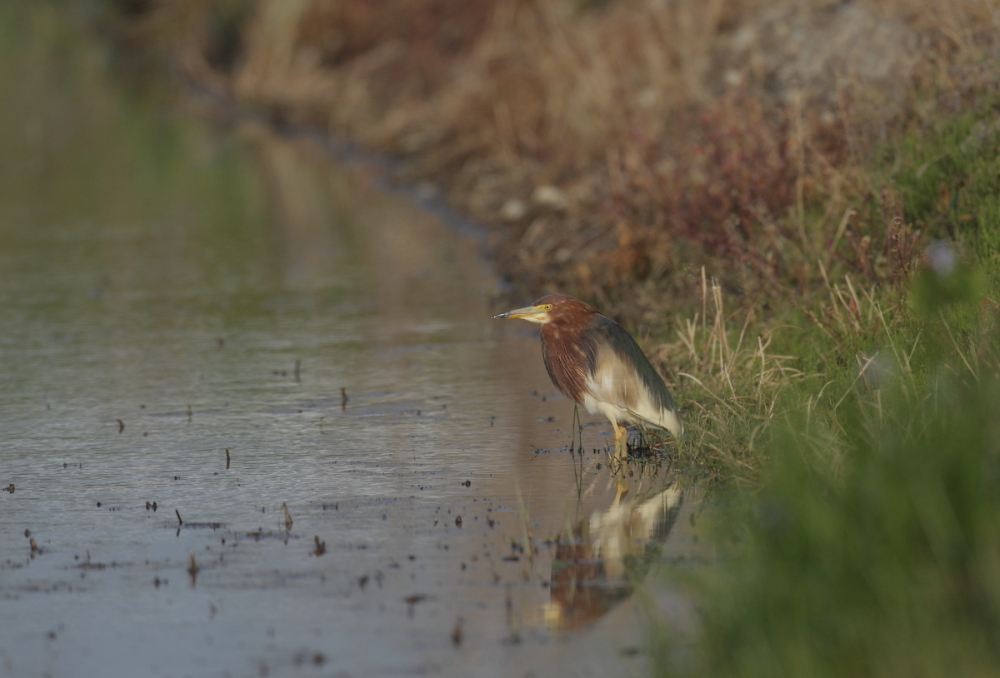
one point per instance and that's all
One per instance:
(798, 199)
(623, 144)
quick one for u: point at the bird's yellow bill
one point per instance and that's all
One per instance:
(534, 313)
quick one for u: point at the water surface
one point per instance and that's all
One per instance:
(257, 421)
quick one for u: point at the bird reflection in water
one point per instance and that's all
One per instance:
(598, 564)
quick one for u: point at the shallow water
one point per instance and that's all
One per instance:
(257, 421)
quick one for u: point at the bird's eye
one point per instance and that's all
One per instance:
(547, 307)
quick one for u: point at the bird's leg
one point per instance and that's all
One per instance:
(621, 441)
(577, 429)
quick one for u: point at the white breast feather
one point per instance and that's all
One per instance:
(625, 400)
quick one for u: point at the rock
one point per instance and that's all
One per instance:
(513, 210)
(549, 197)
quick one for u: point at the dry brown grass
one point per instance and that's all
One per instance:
(730, 379)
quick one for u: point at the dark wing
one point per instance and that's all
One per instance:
(605, 330)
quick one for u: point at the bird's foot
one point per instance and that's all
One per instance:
(620, 454)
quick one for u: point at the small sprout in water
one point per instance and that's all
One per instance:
(343, 398)
(193, 568)
(227, 459)
(179, 521)
(320, 546)
(412, 600)
(288, 517)
(121, 425)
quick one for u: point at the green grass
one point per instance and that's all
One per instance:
(868, 543)
(874, 552)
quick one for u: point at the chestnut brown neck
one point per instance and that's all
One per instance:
(564, 344)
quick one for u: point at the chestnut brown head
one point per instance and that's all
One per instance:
(554, 308)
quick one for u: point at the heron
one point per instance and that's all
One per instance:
(593, 361)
